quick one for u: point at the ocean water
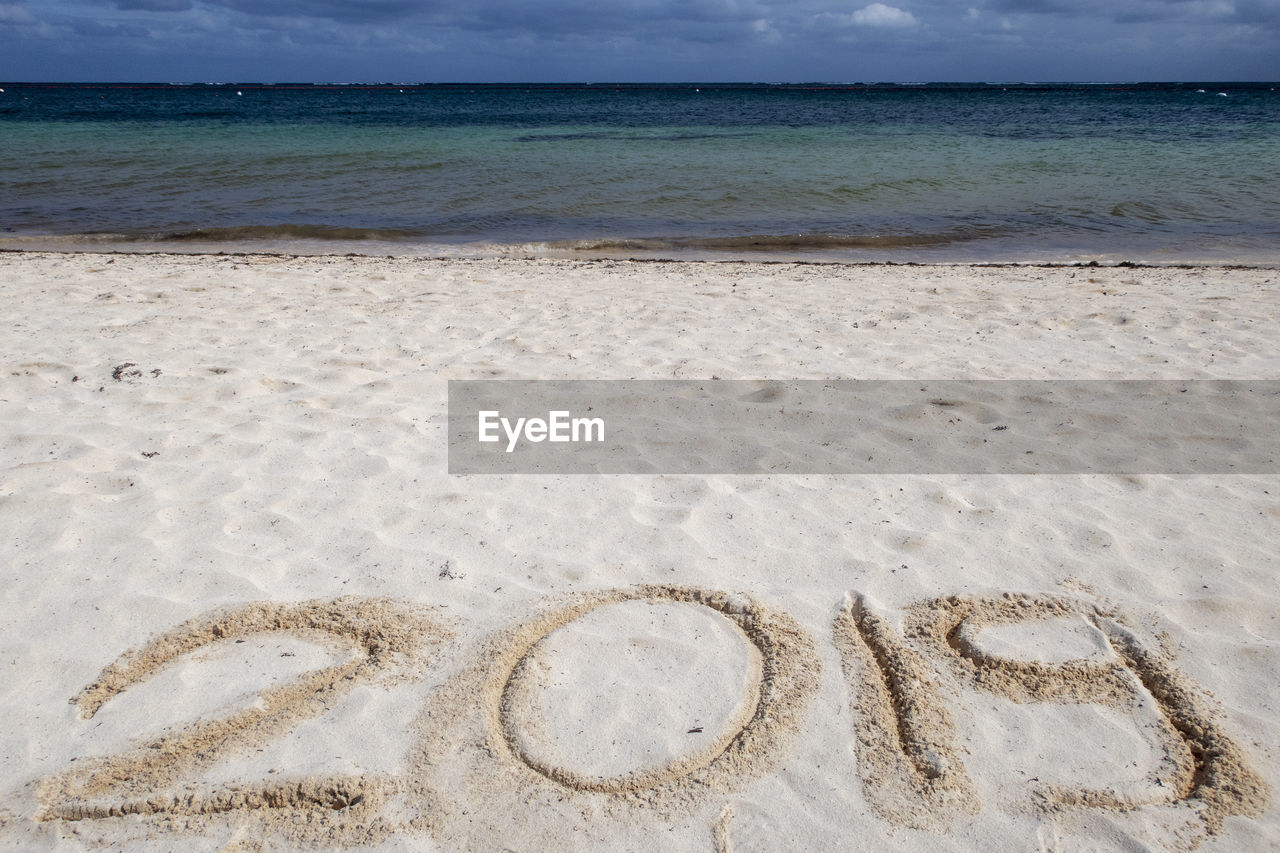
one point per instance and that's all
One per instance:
(931, 172)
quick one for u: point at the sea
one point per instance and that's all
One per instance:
(1160, 172)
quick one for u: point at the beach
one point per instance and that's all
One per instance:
(246, 605)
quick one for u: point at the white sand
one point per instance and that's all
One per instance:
(191, 445)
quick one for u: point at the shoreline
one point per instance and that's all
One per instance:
(763, 258)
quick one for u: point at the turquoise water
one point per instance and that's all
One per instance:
(876, 172)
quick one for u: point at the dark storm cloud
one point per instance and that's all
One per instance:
(1037, 7)
(557, 16)
(359, 11)
(154, 5)
(98, 30)
(1143, 11)
(642, 39)
(805, 16)
(588, 16)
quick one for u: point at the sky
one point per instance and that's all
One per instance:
(638, 40)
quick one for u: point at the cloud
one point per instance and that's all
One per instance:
(99, 30)
(354, 11)
(154, 5)
(486, 16)
(641, 39)
(12, 13)
(1050, 7)
(1191, 12)
(880, 15)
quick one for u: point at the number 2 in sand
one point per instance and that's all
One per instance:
(378, 633)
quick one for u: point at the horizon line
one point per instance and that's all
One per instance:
(645, 83)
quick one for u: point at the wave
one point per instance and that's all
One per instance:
(297, 237)
(241, 234)
(631, 137)
(250, 233)
(983, 241)
(769, 242)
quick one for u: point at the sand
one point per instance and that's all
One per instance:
(244, 605)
